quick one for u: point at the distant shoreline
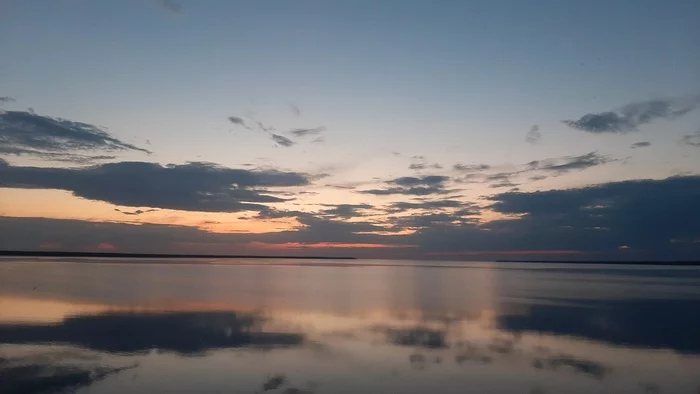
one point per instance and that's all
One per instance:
(22, 253)
(606, 262)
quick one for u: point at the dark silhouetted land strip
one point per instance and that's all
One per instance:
(607, 262)
(22, 253)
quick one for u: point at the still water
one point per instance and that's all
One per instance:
(293, 327)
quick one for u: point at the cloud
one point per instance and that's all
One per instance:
(563, 165)
(26, 133)
(420, 181)
(136, 212)
(170, 5)
(501, 184)
(428, 205)
(639, 213)
(306, 132)
(534, 135)
(7, 99)
(237, 121)
(189, 187)
(631, 116)
(281, 140)
(643, 144)
(346, 211)
(55, 156)
(420, 163)
(416, 186)
(295, 109)
(692, 139)
(431, 220)
(536, 169)
(471, 167)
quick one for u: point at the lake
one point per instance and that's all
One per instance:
(105, 326)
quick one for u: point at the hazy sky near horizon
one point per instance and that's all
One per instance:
(389, 128)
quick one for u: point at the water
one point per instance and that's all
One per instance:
(236, 326)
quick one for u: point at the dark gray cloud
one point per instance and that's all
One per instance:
(472, 168)
(638, 213)
(501, 176)
(631, 116)
(423, 166)
(692, 139)
(7, 99)
(170, 5)
(505, 183)
(643, 144)
(307, 132)
(136, 212)
(26, 133)
(281, 140)
(563, 165)
(415, 186)
(238, 121)
(346, 211)
(431, 220)
(428, 205)
(55, 156)
(429, 180)
(189, 187)
(534, 135)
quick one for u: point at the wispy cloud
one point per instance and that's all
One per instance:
(692, 139)
(307, 132)
(7, 99)
(27, 133)
(563, 165)
(282, 140)
(643, 144)
(534, 135)
(346, 211)
(631, 116)
(295, 109)
(170, 5)
(136, 212)
(471, 167)
(421, 163)
(416, 186)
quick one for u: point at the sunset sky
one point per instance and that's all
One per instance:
(383, 129)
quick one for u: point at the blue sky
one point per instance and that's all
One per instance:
(451, 81)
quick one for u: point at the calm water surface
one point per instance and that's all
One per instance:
(236, 326)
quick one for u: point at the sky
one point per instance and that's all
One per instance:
(395, 129)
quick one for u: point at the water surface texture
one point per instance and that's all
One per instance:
(367, 326)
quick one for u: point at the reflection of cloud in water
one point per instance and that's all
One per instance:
(184, 333)
(278, 381)
(663, 323)
(587, 367)
(23, 376)
(417, 336)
